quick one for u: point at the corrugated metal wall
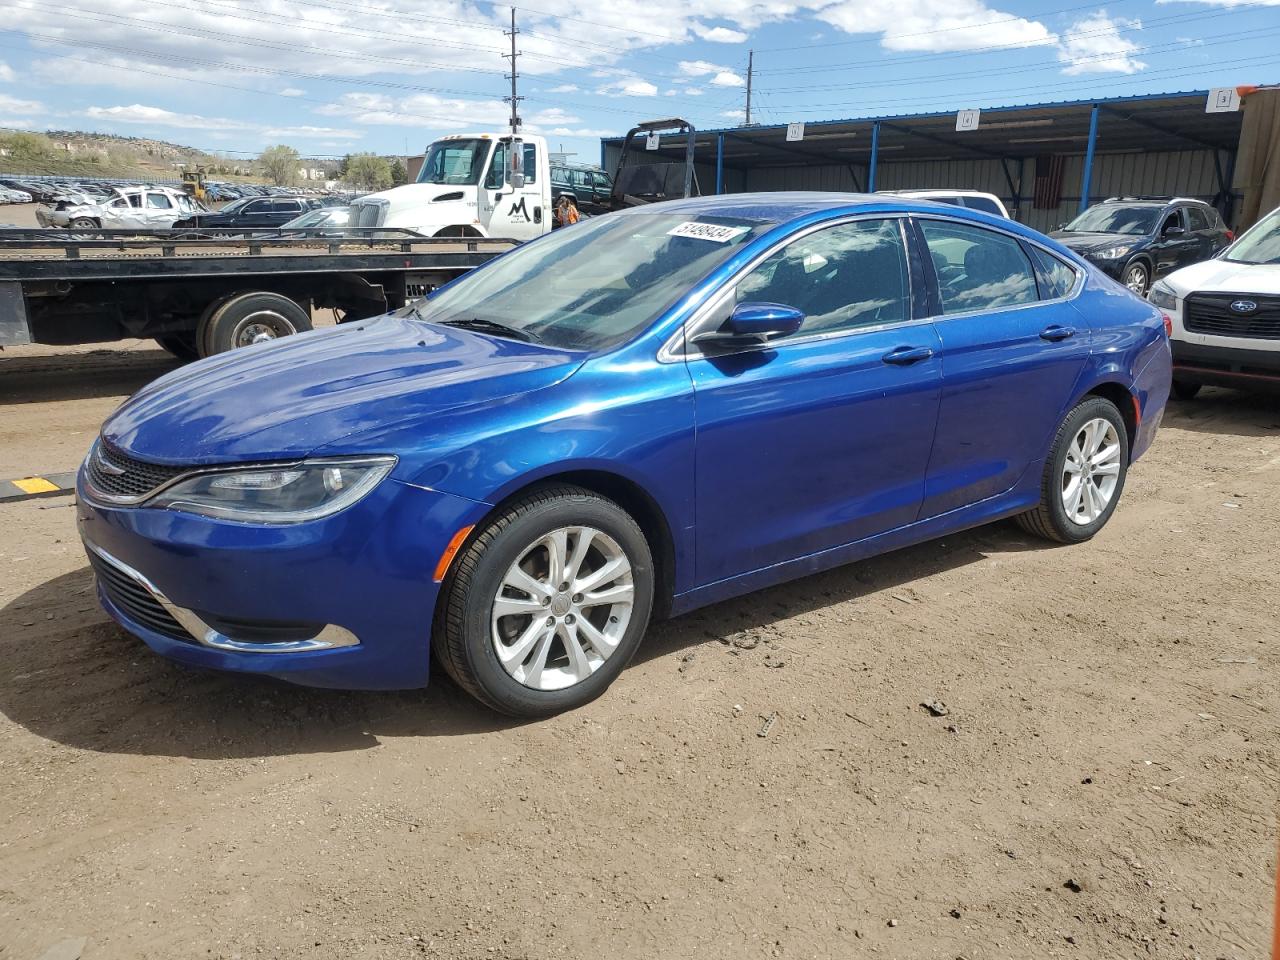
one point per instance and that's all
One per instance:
(1184, 173)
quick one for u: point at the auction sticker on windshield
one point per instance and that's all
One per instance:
(715, 232)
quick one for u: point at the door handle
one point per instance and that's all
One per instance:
(1055, 333)
(904, 356)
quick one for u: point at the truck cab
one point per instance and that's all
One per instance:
(470, 185)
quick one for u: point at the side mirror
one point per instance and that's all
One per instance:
(1173, 231)
(516, 181)
(755, 323)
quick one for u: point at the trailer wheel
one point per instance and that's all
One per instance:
(248, 318)
(181, 345)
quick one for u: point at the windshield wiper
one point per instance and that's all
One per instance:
(492, 326)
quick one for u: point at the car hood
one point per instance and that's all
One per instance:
(1089, 242)
(1223, 276)
(282, 400)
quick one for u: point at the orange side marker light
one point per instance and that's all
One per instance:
(446, 558)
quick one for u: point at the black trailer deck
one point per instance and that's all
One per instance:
(59, 287)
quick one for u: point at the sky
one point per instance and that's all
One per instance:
(331, 77)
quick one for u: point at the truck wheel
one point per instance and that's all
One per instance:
(248, 318)
(181, 345)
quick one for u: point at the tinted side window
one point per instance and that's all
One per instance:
(847, 276)
(600, 181)
(978, 269)
(1196, 219)
(1056, 277)
(1171, 219)
(983, 204)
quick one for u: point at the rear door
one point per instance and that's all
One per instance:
(1010, 360)
(822, 438)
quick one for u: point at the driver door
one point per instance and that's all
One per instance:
(507, 211)
(1174, 249)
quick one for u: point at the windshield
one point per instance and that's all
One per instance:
(1259, 244)
(454, 161)
(1116, 218)
(595, 284)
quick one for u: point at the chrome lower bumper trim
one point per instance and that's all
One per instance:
(329, 637)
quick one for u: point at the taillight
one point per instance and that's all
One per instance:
(1168, 325)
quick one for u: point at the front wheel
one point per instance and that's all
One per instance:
(1137, 277)
(1083, 476)
(547, 604)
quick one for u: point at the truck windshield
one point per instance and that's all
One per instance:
(596, 284)
(1260, 244)
(454, 161)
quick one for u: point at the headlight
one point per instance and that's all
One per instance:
(1113, 253)
(1162, 296)
(286, 494)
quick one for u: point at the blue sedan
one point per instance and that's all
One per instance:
(630, 418)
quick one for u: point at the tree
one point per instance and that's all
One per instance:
(399, 175)
(368, 171)
(280, 164)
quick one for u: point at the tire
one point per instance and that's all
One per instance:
(1052, 519)
(1185, 389)
(181, 345)
(1137, 277)
(244, 318)
(84, 223)
(467, 634)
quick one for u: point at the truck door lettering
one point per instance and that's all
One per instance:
(519, 208)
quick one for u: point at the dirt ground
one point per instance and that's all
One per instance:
(1104, 785)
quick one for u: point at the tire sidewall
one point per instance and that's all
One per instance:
(218, 327)
(1146, 271)
(491, 568)
(1090, 409)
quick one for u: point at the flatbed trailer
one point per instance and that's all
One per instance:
(202, 295)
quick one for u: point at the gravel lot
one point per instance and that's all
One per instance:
(1104, 784)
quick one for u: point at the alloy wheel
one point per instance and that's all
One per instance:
(1091, 471)
(1135, 278)
(562, 608)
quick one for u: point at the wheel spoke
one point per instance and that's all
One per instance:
(512, 656)
(557, 546)
(1107, 469)
(585, 537)
(603, 644)
(620, 593)
(579, 665)
(532, 671)
(517, 579)
(1077, 500)
(517, 606)
(606, 574)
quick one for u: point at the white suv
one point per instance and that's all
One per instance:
(1226, 314)
(973, 199)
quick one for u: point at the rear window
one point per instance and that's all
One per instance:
(984, 204)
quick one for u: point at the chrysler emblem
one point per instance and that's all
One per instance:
(109, 468)
(1243, 306)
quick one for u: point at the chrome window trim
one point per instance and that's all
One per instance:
(673, 349)
(330, 635)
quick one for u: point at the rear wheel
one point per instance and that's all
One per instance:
(547, 604)
(84, 223)
(1083, 476)
(1185, 389)
(249, 318)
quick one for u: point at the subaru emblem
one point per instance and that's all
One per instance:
(1243, 306)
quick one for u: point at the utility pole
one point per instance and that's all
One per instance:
(751, 55)
(513, 99)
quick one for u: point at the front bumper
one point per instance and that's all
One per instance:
(351, 595)
(1226, 366)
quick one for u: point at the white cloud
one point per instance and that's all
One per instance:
(6, 72)
(144, 115)
(628, 87)
(292, 92)
(15, 123)
(719, 34)
(727, 78)
(935, 25)
(1095, 45)
(692, 92)
(564, 88)
(698, 68)
(14, 105)
(428, 110)
(735, 115)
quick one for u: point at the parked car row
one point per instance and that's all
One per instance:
(127, 208)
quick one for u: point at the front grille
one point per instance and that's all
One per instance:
(1211, 313)
(368, 214)
(135, 601)
(117, 475)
